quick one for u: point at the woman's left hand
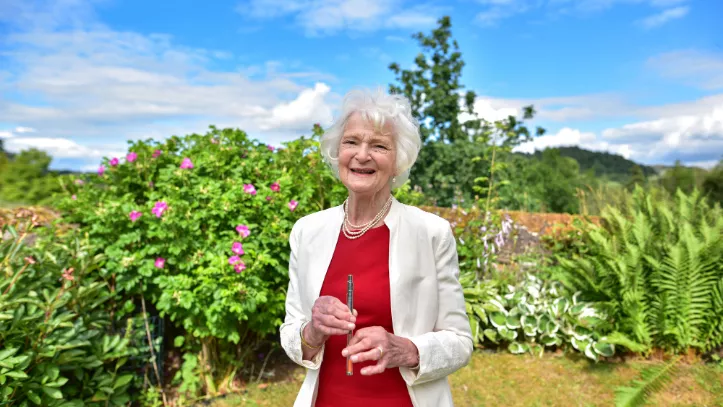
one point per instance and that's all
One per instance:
(375, 343)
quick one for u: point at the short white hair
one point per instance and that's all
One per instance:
(379, 108)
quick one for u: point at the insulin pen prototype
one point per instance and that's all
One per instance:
(350, 304)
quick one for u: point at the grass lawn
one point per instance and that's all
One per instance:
(511, 380)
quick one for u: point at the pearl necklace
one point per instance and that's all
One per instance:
(355, 234)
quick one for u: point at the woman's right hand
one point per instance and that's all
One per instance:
(329, 316)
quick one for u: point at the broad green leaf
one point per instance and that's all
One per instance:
(53, 392)
(491, 334)
(17, 374)
(122, 381)
(33, 397)
(604, 349)
(516, 347)
(498, 320)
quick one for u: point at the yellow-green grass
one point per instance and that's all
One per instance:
(511, 380)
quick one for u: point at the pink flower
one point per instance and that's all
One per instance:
(160, 262)
(101, 170)
(270, 147)
(114, 161)
(131, 157)
(268, 198)
(275, 187)
(239, 267)
(74, 197)
(186, 164)
(237, 248)
(159, 208)
(214, 140)
(249, 189)
(233, 260)
(243, 230)
(292, 205)
(79, 182)
(156, 153)
(134, 215)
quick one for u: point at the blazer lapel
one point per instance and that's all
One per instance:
(326, 244)
(397, 294)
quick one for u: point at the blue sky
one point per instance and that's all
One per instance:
(78, 78)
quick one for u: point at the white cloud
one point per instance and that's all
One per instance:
(693, 138)
(493, 11)
(308, 106)
(694, 67)
(61, 147)
(99, 87)
(556, 109)
(330, 16)
(574, 137)
(658, 19)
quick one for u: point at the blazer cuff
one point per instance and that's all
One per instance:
(291, 337)
(411, 374)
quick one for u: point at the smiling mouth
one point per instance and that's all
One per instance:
(363, 171)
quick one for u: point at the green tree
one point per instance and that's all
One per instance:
(713, 183)
(461, 149)
(637, 177)
(26, 179)
(678, 177)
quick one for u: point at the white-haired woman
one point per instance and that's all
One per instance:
(409, 324)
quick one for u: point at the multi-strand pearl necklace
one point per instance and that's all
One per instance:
(361, 229)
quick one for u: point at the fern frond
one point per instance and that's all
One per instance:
(653, 380)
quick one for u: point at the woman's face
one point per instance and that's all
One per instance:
(367, 157)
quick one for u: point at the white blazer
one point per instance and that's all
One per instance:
(426, 297)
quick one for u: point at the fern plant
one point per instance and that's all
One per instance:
(652, 380)
(657, 272)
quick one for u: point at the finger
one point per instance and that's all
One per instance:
(341, 311)
(331, 321)
(375, 369)
(356, 314)
(328, 331)
(372, 354)
(357, 345)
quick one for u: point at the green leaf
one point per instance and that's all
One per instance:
(122, 381)
(604, 349)
(33, 397)
(6, 353)
(17, 374)
(53, 392)
(516, 347)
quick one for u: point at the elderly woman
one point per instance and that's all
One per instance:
(409, 324)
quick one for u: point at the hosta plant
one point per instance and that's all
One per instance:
(532, 316)
(56, 348)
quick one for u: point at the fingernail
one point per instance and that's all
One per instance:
(354, 358)
(344, 352)
(351, 326)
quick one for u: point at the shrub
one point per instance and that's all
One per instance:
(657, 271)
(55, 322)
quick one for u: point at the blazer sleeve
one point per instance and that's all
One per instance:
(290, 330)
(449, 346)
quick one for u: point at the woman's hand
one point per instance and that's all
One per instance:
(329, 316)
(375, 343)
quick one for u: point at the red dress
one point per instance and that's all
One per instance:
(367, 259)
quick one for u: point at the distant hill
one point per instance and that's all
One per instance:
(604, 164)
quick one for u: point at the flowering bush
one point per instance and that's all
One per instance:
(200, 225)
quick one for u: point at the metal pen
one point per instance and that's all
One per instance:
(350, 304)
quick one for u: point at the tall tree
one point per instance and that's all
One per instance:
(461, 150)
